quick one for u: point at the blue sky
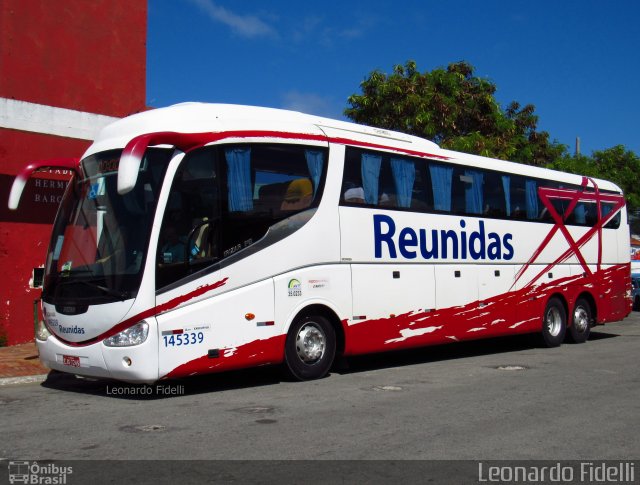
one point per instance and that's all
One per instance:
(577, 61)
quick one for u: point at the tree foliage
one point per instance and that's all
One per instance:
(458, 110)
(616, 164)
(454, 108)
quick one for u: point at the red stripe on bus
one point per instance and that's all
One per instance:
(152, 312)
(509, 313)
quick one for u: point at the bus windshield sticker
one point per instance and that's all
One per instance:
(96, 189)
(108, 166)
(58, 248)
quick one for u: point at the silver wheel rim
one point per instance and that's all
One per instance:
(310, 343)
(553, 321)
(580, 319)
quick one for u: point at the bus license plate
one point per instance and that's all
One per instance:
(71, 360)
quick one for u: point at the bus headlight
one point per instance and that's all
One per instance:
(42, 333)
(134, 335)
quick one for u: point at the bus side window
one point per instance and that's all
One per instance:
(441, 185)
(352, 188)
(579, 214)
(387, 181)
(591, 217)
(517, 196)
(188, 232)
(497, 202)
(458, 189)
(614, 223)
(387, 186)
(474, 202)
(422, 189)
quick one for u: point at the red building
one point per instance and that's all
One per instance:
(66, 70)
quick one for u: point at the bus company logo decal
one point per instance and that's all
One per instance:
(476, 244)
(75, 330)
(294, 288)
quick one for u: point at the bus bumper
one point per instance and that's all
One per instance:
(134, 364)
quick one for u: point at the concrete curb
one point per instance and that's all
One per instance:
(10, 381)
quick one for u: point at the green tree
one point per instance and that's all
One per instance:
(454, 108)
(616, 164)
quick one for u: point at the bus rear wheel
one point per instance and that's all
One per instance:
(554, 323)
(310, 347)
(581, 322)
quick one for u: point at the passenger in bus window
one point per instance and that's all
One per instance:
(354, 195)
(174, 248)
(387, 200)
(518, 213)
(299, 195)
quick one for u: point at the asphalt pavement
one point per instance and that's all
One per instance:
(441, 414)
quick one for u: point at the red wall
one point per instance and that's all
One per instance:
(24, 234)
(87, 55)
(83, 55)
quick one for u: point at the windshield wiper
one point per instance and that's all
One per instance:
(74, 272)
(121, 295)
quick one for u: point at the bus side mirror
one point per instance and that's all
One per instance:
(37, 278)
(133, 152)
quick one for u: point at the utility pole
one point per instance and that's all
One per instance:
(577, 146)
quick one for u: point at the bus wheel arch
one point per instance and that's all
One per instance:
(314, 339)
(582, 318)
(554, 321)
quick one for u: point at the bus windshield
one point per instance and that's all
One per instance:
(100, 238)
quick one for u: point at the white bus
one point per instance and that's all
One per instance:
(202, 237)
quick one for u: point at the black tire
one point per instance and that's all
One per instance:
(581, 321)
(636, 303)
(554, 323)
(310, 347)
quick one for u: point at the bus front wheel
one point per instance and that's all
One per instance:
(581, 323)
(310, 347)
(554, 323)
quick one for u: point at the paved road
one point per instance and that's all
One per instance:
(486, 400)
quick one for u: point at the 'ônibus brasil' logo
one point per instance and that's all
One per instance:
(439, 244)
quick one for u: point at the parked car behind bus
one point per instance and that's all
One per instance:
(635, 294)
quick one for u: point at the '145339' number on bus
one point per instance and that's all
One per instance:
(183, 339)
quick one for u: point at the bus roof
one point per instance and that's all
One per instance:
(209, 117)
(196, 117)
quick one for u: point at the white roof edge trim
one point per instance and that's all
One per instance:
(518, 168)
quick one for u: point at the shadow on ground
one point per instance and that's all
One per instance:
(274, 375)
